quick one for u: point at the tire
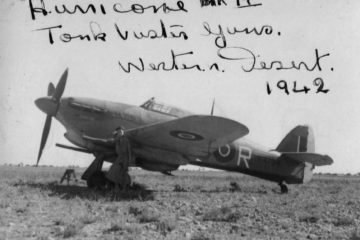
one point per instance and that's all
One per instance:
(111, 185)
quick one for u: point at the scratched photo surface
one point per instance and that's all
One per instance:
(269, 65)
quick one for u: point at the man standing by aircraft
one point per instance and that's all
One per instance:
(118, 172)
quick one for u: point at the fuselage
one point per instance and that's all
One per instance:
(98, 119)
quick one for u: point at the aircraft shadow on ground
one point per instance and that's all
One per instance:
(138, 192)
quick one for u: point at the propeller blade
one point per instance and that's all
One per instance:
(44, 136)
(60, 87)
(212, 108)
(51, 89)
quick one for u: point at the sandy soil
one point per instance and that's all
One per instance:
(191, 205)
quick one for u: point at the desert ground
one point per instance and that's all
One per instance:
(193, 205)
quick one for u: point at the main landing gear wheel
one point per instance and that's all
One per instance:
(283, 187)
(117, 186)
(97, 180)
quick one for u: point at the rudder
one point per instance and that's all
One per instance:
(300, 139)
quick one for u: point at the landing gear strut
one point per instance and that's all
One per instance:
(94, 170)
(283, 187)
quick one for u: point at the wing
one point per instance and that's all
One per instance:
(195, 135)
(313, 158)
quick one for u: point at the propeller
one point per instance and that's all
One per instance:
(60, 87)
(51, 89)
(44, 137)
(50, 105)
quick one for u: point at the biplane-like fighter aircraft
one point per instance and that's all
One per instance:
(163, 137)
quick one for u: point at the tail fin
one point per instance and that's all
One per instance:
(300, 139)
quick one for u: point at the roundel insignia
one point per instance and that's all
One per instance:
(225, 153)
(186, 135)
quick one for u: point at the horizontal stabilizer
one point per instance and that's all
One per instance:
(313, 158)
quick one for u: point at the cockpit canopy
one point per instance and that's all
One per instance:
(154, 106)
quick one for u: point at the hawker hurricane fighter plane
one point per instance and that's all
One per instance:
(159, 137)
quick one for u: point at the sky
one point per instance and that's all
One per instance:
(28, 62)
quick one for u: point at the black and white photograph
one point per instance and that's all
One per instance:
(179, 119)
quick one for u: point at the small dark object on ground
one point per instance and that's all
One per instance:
(234, 187)
(179, 188)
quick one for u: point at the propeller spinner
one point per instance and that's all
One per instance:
(50, 105)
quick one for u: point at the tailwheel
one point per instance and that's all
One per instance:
(97, 180)
(284, 189)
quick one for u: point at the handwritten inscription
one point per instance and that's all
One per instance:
(176, 62)
(250, 61)
(212, 3)
(226, 39)
(221, 34)
(135, 8)
(164, 31)
(247, 3)
(318, 83)
(94, 35)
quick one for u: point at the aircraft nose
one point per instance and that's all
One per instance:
(47, 105)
